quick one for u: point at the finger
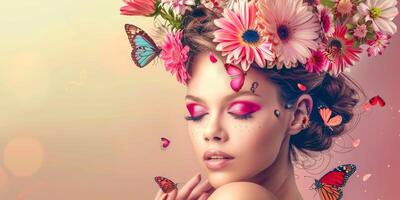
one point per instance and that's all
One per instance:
(163, 197)
(201, 188)
(172, 195)
(204, 196)
(188, 187)
(159, 193)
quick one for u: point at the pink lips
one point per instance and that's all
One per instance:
(216, 164)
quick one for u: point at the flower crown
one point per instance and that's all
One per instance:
(320, 35)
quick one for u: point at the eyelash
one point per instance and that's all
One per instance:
(240, 117)
(198, 118)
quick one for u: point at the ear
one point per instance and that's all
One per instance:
(300, 111)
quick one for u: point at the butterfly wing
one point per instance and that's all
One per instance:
(338, 176)
(144, 49)
(326, 117)
(329, 192)
(325, 114)
(237, 76)
(334, 121)
(165, 142)
(165, 184)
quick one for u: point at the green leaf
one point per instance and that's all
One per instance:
(371, 36)
(327, 3)
(350, 26)
(356, 44)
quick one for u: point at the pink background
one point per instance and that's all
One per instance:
(79, 121)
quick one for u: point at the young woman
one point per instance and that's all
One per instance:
(264, 82)
(253, 133)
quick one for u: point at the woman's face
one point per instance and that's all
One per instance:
(253, 142)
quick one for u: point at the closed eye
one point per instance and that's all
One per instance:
(241, 117)
(196, 118)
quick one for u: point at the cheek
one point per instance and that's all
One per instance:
(196, 136)
(259, 140)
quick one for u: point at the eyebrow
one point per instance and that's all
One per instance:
(227, 98)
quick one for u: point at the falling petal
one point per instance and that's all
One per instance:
(367, 106)
(356, 142)
(213, 59)
(366, 177)
(301, 87)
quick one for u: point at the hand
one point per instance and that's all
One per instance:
(192, 190)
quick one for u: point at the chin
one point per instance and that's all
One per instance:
(220, 178)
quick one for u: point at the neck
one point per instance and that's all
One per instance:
(279, 177)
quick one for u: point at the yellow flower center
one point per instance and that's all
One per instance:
(375, 12)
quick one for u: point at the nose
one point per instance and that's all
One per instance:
(214, 130)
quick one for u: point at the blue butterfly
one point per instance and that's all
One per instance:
(144, 48)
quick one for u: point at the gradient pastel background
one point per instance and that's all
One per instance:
(78, 120)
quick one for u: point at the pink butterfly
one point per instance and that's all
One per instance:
(236, 75)
(165, 142)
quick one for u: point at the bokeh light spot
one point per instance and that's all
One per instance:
(23, 156)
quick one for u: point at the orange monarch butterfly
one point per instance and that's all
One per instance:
(330, 186)
(165, 184)
(325, 114)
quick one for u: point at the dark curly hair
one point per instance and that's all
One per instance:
(341, 94)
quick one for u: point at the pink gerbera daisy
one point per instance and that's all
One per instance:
(138, 7)
(317, 62)
(293, 27)
(340, 52)
(326, 18)
(175, 56)
(239, 38)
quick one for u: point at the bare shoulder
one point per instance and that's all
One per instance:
(242, 190)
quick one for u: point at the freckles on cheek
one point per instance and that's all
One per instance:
(196, 132)
(246, 131)
(196, 136)
(252, 135)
